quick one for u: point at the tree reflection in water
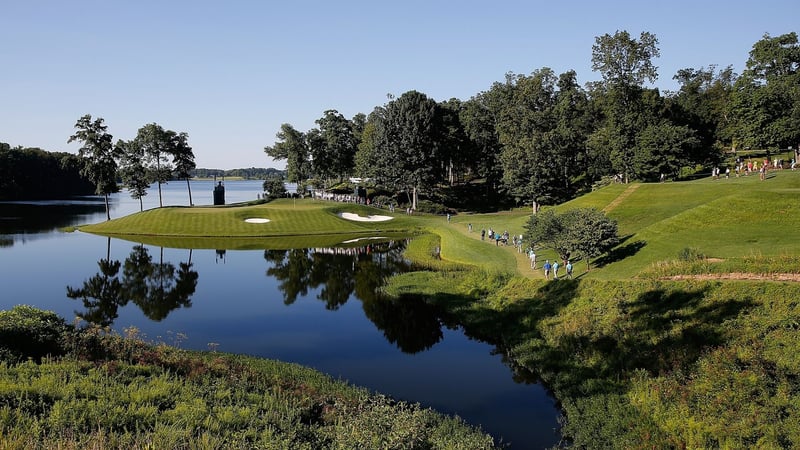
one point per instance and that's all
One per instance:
(157, 288)
(408, 322)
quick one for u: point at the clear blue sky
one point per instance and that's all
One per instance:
(229, 73)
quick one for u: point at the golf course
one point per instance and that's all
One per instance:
(682, 336)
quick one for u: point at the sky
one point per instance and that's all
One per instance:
(229, 73)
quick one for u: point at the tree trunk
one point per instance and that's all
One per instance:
(189, 187)
(108, 211)
(414, 198)
(141, 205)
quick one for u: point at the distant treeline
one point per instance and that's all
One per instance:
(253, 173)
(33, 173)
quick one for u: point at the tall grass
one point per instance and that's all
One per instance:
(110, 391)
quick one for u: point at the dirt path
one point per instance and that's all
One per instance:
(793, 277)
(622, 196)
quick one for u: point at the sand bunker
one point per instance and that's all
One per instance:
(256, 220)
(350, 241)
(357, 218)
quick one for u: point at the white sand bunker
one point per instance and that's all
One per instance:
(350, 241)
(357, 218)
(256, 220)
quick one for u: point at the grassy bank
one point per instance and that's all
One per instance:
(61, 387)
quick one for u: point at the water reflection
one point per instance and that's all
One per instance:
(336, 274)
(43, 217)
(338, 271)
(157, 288)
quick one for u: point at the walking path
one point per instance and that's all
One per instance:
(627, 192)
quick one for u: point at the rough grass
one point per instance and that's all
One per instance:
(105, 391)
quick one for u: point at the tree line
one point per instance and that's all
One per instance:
(155, 155)
(33, 173)
(542, 138)
(251, 173)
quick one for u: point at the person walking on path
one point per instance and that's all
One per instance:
(547, 267)
(569, 269)
(555, 270)
(532, 256)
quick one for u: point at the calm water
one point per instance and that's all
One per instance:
(316, 307)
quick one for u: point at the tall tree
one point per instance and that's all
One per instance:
(407, 143)
(702, 104)
(134, 173)
(479, 120)
(97, 152)
(366, 160)
(525, 124)
(334, 157)
(293, 148)
(156, 144)
(766, 101)
(625, 64)
(182, 158)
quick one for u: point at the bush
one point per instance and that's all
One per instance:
(27, 332)
(429, 207)
(691, 254)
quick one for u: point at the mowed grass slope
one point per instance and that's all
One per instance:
(725, 218)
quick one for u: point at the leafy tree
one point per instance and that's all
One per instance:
(33, 173)
(478, 117)
(337, 144)
(367, 164)
(766, 101)
(582, 232)
(574, 122)
(97, 153)
(407, 143)
(525, 124)
(455, 146)
(156, 144)
(274, 187)
(662, 149)
(182, 158)
(625, 64)
(623, 61)
(590, 232)
(702, 104)
(134, 173)
(294, 149)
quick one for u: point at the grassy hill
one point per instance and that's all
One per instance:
(721, 219)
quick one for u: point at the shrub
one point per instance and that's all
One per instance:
(429, 207)
(27, 332)
(690, 254)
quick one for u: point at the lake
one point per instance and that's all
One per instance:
(315, 307)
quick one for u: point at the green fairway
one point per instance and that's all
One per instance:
(284, 218)
(725, 218)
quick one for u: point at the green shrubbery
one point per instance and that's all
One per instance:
(653, 364)
(109, 391)
(26, 332)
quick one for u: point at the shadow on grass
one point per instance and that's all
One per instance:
(619, 253)
(661, 330)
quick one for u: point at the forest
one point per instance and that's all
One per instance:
(542, 138)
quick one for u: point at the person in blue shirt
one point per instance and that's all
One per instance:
(547, 268)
